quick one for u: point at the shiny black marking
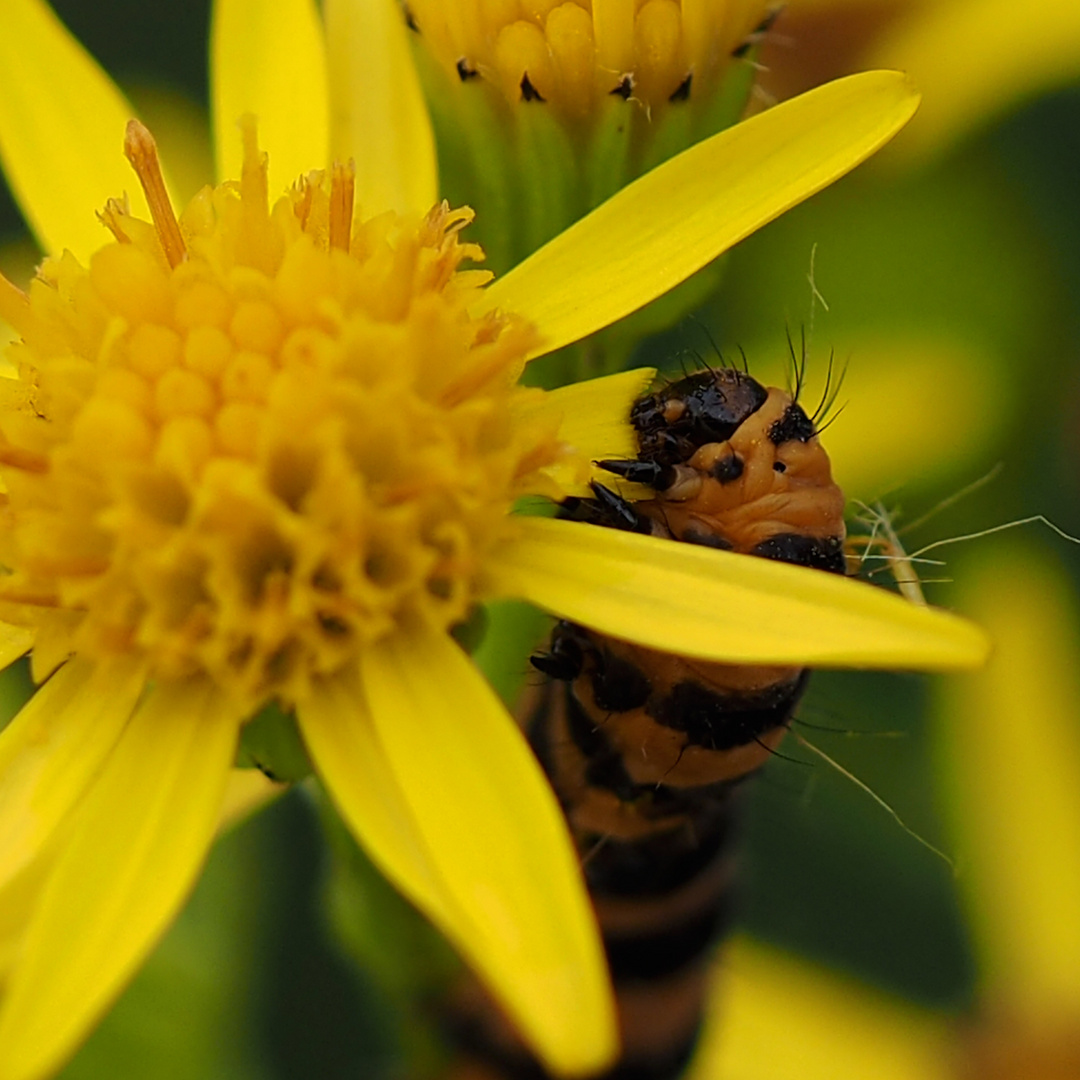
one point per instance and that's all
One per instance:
(817, 552)
(779, 466)
(465, 70)
(625, 87)
(682, 91)
(715, 404)
(793, 425)
(723, 721)
(650, 473)
(410, 19)
(728, 469)
(528, 91)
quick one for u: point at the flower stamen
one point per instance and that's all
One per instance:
(141, 150)
(342, 193)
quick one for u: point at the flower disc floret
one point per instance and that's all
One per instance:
(253, 445)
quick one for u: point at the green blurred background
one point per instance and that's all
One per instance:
(952, 288)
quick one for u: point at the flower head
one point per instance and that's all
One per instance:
(266, 451)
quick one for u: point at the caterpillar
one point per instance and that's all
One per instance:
(647, 751)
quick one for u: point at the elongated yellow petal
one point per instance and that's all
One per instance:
(18, 898)
(61, 130)
(1013, 771)
(657, 231)
(1010, 54)
(15, 641)
(378, 117)
(269, 60)
(51, 751)
(834, 1028)
(500, 844)
(720, 606)
(348, 755)
(461, 818)
(593, 420)
(137, 845)
(247, 792)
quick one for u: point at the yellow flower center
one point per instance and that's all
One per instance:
(573, 54)
(249, 442)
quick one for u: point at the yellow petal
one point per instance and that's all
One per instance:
(18, 898)
(136, 847)
(833, 1028)
(1010, 54)
(720, 606)
(594, 421)
(269, 60)
(15, 641)
(657, 231)
(248, 791)
(51, 751)
(469, 802)
(61, 131)
(1013, 771)
(378, 117)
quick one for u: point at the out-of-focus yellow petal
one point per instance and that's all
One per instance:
(248, 790)
(61, 130)
(917, 376)
(270, 60)
(716, 605)
(51, 751)
(438, 784)
(136, 847)
(18, 899)
(594, 419)
(974, 58)
(657, 231)
(832, 1029)
(379, 118)
(15, 641)
(1013, 771)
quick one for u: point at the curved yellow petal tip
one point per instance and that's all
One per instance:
(671, 222)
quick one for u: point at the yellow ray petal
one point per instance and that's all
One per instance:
(593, 420)
(459, 807)
(834, 1029)
(657, 231)
(61, 130)
(1010, 54)
(50, 752)
(337, 730)
(248, 791)
(18, 898)
(269, 60)
(134, 852)
(1013, 771)
(15, 641)
(720, 606)
(378, 116)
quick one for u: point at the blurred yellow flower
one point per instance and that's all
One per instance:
(972, 59)
(1010, 764)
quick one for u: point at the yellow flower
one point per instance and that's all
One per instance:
(972, 59)
(266, 452)
(1011, 768)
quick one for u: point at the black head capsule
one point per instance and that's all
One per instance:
(705, 407)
